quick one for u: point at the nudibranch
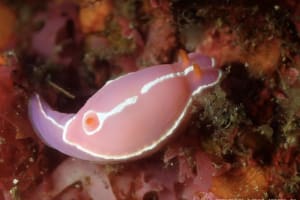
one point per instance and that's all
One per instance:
(129, 117)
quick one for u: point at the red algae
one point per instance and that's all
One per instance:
(161, 34)
(8, 27)
(19, 164)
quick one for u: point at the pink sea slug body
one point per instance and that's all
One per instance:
(130, 117)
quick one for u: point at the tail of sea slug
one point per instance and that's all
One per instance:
(47, 123)
(50, 125)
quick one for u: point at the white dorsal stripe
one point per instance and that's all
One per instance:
(158, 80)
(103, 116)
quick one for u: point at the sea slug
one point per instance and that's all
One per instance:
(130, 117)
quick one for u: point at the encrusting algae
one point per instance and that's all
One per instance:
(243, 182)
